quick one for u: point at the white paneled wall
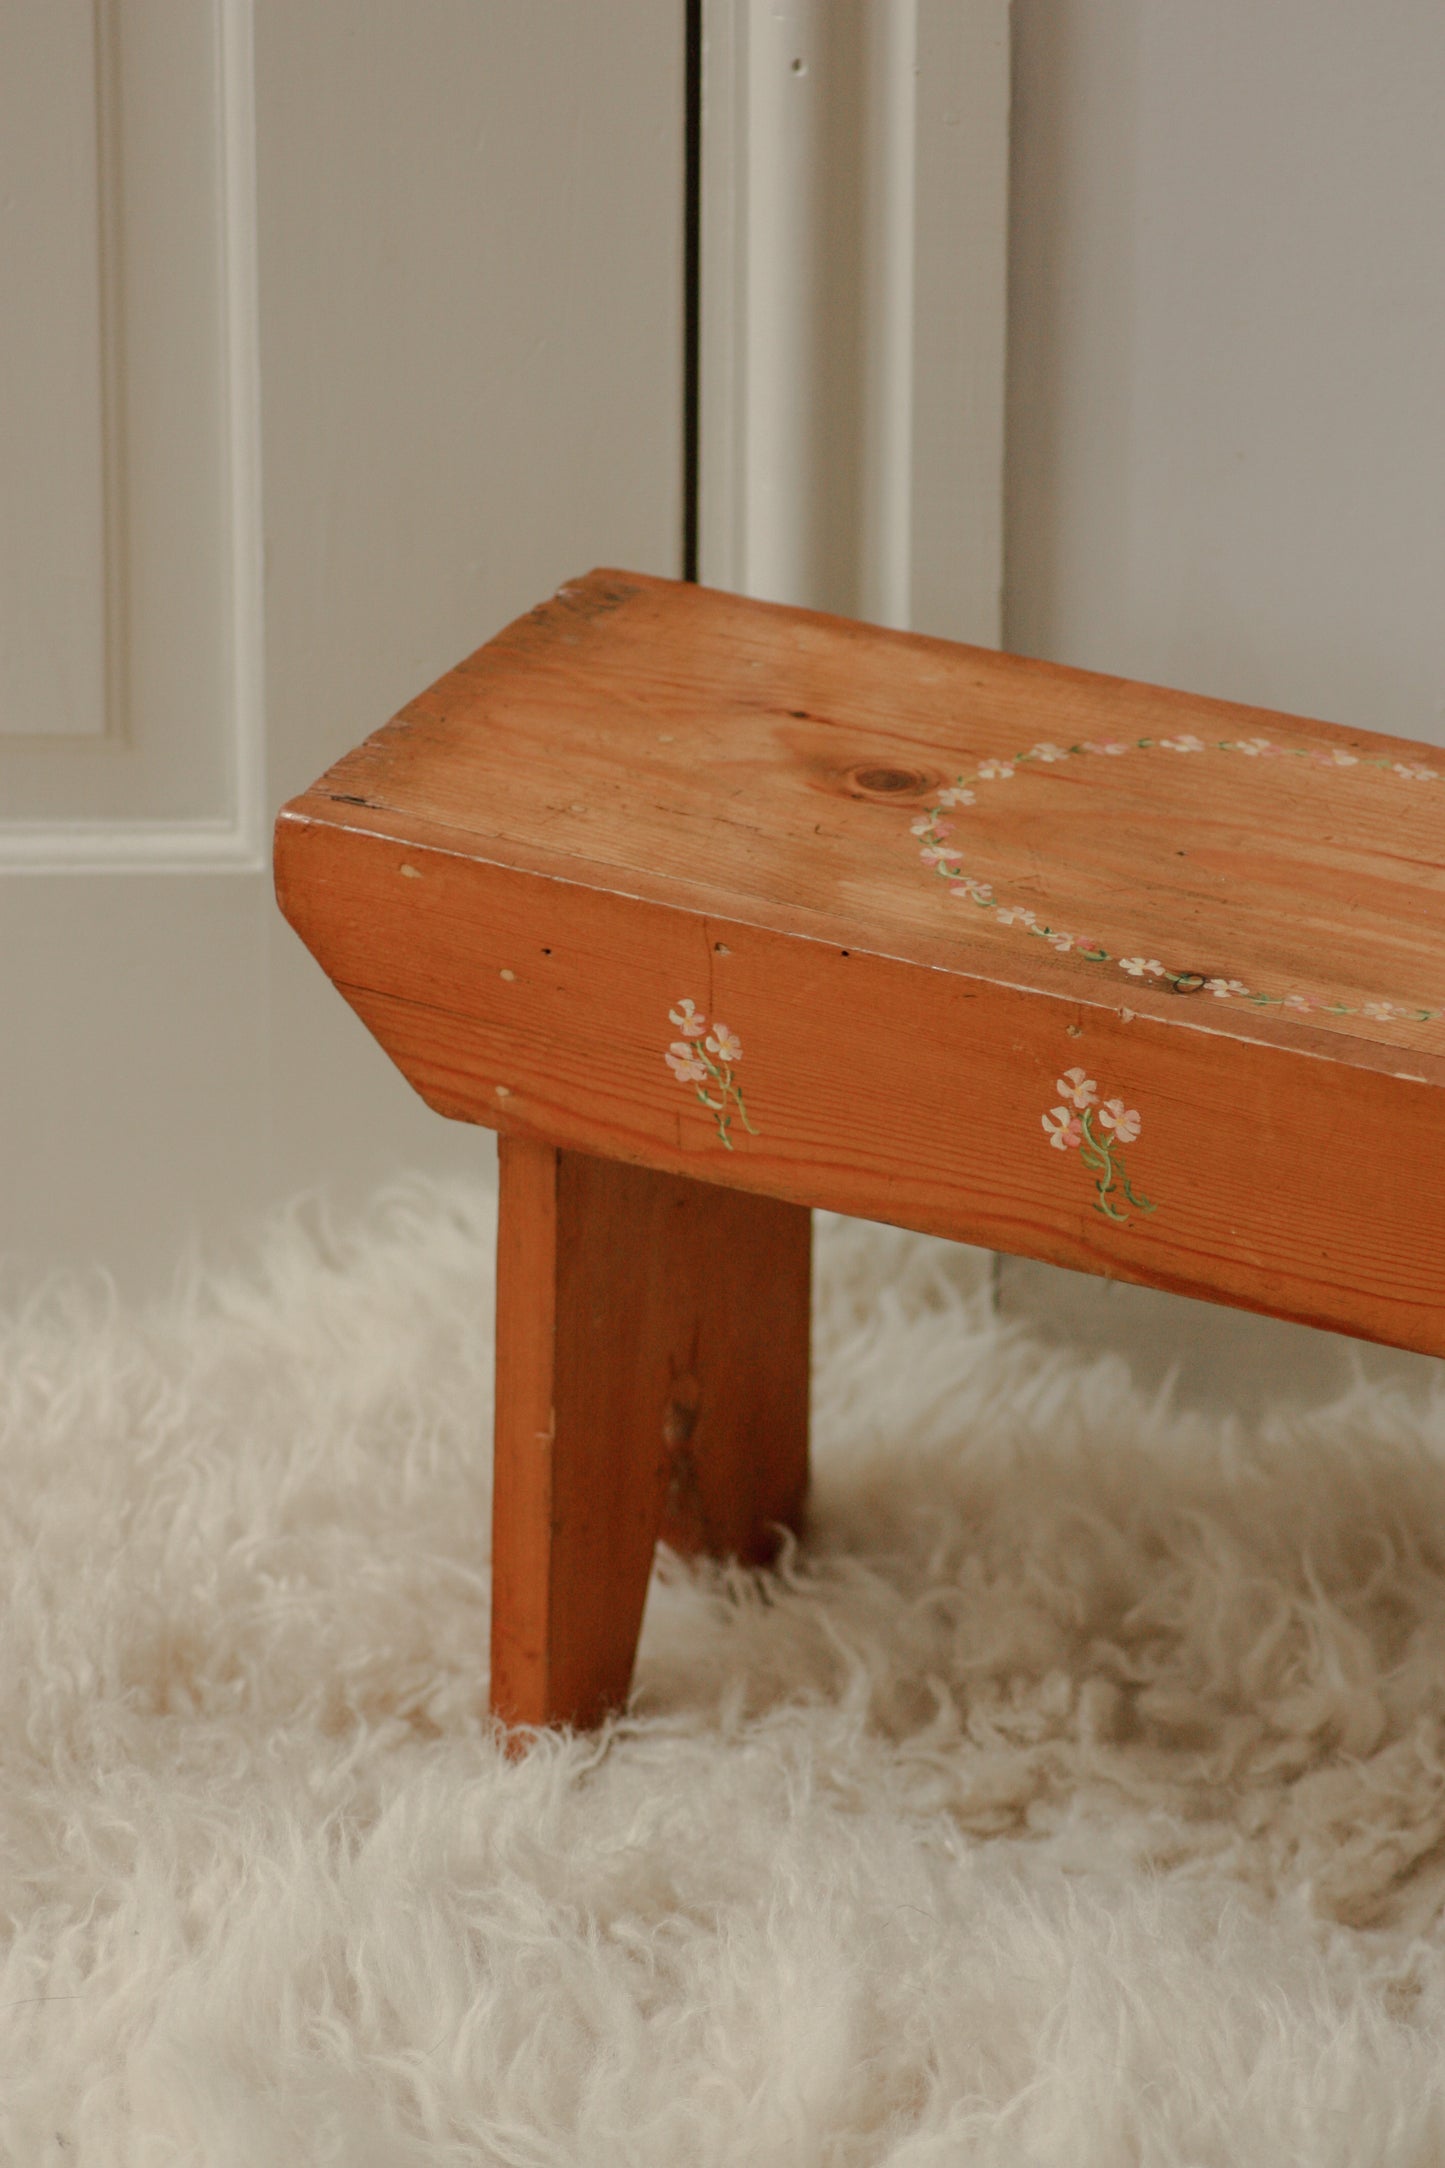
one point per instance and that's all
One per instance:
(1227, 347)
(350, 331)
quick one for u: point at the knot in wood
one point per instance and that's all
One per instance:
(881, 782)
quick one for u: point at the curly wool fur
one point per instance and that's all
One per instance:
(1074, 1795)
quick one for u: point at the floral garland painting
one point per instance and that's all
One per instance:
(707, 1059)
(933, 830)
(1097, 1130)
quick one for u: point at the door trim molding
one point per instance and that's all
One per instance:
(853, 284)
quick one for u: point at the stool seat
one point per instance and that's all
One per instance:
(924, 887)
(719, 911)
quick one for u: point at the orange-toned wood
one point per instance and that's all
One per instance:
(652, 1377)
(642, 794)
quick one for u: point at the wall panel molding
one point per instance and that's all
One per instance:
(249, 823)
(172, 779)
(53, 633)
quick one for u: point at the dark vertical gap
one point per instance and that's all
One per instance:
(691, 282)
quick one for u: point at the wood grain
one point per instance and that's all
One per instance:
(652, 1378)
(644, 793)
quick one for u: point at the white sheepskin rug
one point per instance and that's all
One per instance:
(1073, 1797)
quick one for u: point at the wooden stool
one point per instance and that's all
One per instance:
(718, 911)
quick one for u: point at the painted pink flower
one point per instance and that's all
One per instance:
(958, 796)
(1047, 752)
(1337, 757)
(940, 854)
(1065, 1130)
(1078, 1087)
(1223, 988)
(711, 1071)
(1060, 941)
(1298, 1001)
(1384, 1012)
(1088, 941)
(1253, 746)
(1414, 772)
(1140, 967)
(995, 771)
(924, 825)
(1186, 742)
(1014, 914)
(1124, 1121)
(1114, 746)
(979, 890)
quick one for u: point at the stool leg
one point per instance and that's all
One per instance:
(652, 1378)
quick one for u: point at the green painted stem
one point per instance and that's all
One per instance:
(1140, 1204)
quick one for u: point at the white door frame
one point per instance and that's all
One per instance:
(854, 263)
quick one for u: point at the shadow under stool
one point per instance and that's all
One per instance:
(718, 911)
